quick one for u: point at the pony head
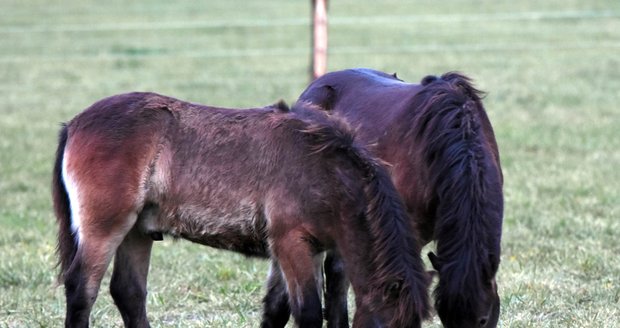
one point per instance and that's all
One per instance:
(472, 302)
(392, 304)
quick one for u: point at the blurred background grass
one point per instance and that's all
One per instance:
(551, 70)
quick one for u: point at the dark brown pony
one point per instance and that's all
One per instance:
(263, 182)
(443, 159)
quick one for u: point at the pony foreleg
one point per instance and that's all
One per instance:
(128, 283)
(276, 310)
(336, 287)
(296, 260)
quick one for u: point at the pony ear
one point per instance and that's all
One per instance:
(394, 75)
(428, 80)
(321, 95)
(434, 261)
(280, 107)
(392, 290)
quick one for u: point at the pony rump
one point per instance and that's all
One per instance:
(465, 173)
(66, 247)
(385, 219)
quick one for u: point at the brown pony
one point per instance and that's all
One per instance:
(264, 182)
(443, 159)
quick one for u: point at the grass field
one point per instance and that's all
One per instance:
(551, 69)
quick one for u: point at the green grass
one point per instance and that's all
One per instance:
(551, 69)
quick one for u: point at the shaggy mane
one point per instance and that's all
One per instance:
(464, 175)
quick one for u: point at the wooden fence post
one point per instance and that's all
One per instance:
(319, 38)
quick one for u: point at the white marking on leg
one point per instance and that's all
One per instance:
(74, 200)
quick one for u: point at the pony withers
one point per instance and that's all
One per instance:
(442, 156)
(263, 182)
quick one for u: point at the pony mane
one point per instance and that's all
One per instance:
(385, 218)
(466, 181)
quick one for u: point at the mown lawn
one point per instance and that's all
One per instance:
(551, 70)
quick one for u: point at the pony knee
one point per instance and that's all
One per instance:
(306, 307)
(276, 309)
(305, 304)
(310, 315)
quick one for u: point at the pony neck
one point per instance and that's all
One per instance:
(390, 252)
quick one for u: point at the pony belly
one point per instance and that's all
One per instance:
(242, 230)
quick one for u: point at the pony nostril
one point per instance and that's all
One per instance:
(482, 322)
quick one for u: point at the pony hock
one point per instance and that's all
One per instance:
(263, 182)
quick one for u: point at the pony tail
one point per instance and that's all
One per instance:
(66, 247)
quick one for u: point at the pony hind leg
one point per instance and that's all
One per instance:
(128, 283)
(276, 310)
(83, 278)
